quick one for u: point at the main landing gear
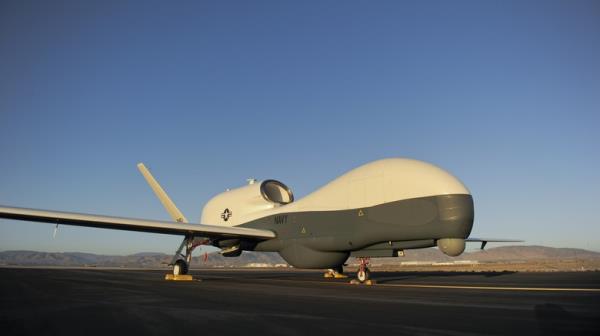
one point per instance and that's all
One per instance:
(180, 267)
(180, 262)
(336, 273)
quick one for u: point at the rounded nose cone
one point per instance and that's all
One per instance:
(456, 213)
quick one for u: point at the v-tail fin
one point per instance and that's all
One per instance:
(162, 195)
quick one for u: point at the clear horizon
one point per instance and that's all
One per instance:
(505, 96)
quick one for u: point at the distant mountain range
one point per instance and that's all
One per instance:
(153, 260)
(142, 260)
(504, 254)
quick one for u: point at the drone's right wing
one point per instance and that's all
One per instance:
(132, 224)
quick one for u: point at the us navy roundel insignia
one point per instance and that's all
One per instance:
(226, 214)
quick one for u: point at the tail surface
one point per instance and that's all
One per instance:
(162, 195)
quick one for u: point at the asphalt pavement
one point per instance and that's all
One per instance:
(292, 302)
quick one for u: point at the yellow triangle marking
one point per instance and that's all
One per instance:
(360, 213)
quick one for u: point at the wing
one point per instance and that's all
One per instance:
(132, 224)
(484, 241)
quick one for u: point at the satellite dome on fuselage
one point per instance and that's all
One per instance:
(374, 183)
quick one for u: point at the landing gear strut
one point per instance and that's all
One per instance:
(181, 262)
(363, 274)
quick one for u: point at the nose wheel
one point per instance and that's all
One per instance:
(364, 274)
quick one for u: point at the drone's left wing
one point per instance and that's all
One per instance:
(484, 241)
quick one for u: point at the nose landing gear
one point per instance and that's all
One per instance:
(363, 274)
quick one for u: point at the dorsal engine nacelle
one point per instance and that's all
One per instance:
(234, 206)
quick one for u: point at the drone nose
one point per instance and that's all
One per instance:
(456, 213)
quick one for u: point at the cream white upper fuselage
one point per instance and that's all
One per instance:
(375, 183)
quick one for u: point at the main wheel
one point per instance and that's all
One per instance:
(363, 274)
(180, 267)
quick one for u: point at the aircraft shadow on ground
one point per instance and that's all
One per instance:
(380, 277)
(383, 277)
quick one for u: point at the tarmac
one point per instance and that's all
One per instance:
(293, 302)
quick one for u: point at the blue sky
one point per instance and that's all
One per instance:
(505, 95)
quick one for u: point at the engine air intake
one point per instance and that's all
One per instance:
(276, 192)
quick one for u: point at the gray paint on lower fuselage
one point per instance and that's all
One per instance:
(401, 245)
(324, 239)
(391, 248)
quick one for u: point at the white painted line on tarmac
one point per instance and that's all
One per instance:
(533, 289)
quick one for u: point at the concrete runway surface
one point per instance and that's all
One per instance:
(292, 302)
